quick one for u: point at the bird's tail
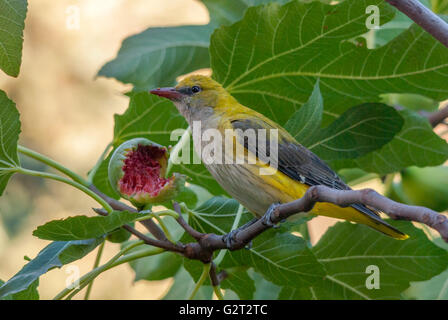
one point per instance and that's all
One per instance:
(360, 214)
(374, 221)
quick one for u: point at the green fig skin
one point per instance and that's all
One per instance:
(117, 160)
(395, 192)
(410, 101)
(427, 187)
(140, 199)
(167, 193)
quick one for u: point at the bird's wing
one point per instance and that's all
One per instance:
(294, 160)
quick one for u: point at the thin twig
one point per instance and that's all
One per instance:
(206, 244)
(201, 280)
(424, 17)
(163, 244)
(435, 117)
(438, 116)
(188, 229)
(369, 197)
(215, 277)
(150, 225)
(95, 265)
(154, 242)
(218, 293)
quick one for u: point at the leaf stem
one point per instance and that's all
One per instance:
(150, 251)
(157, 215)
(388, 181)
(95, 265)
(162, 213)
(93, 171)
(164, 228)
(89, 277)
(174, 154)
(117, 260)
(218, 293)
(201, 280)
(65, 180)
(44, 159)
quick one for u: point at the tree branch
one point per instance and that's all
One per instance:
(434, 117)
(163, 244)
(438, 116)
(150, 225)
(216, 278)
(369, 197)
(424, 17)
(207, 243)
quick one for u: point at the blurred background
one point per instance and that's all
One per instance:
(67, 114)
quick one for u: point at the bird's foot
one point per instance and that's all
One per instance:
(230, 238)
(267, 217)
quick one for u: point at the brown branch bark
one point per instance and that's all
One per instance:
(424, 17)
(164, 244)
(150, 225)
(434, 117)
(216, 278)
(438, 116)
(206, 243)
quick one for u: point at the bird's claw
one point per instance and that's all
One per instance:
(230, 238)
(267, 217)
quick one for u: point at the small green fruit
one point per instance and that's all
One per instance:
(396, 193)
(137, 171)
(410, 101)
(427, 187)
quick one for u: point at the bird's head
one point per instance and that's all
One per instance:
(196, 96)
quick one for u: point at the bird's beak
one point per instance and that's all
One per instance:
(169, 93)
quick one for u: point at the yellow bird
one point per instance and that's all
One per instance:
(206, 104)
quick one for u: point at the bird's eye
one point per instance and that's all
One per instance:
(195, 89)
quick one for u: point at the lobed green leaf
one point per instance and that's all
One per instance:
(239, 281)
(416, 144)
(347, 250)
(278, 255)
(12, 23)
(83, 227)
(30, 293)
(55, 255)
(9, 135)
(223, 14)
(147, 116)
(356, 132)
(434, 289)
(158, 267)
(155, 57)
(183, 286)
(274, 69)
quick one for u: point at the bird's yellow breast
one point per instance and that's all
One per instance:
(256, 191)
